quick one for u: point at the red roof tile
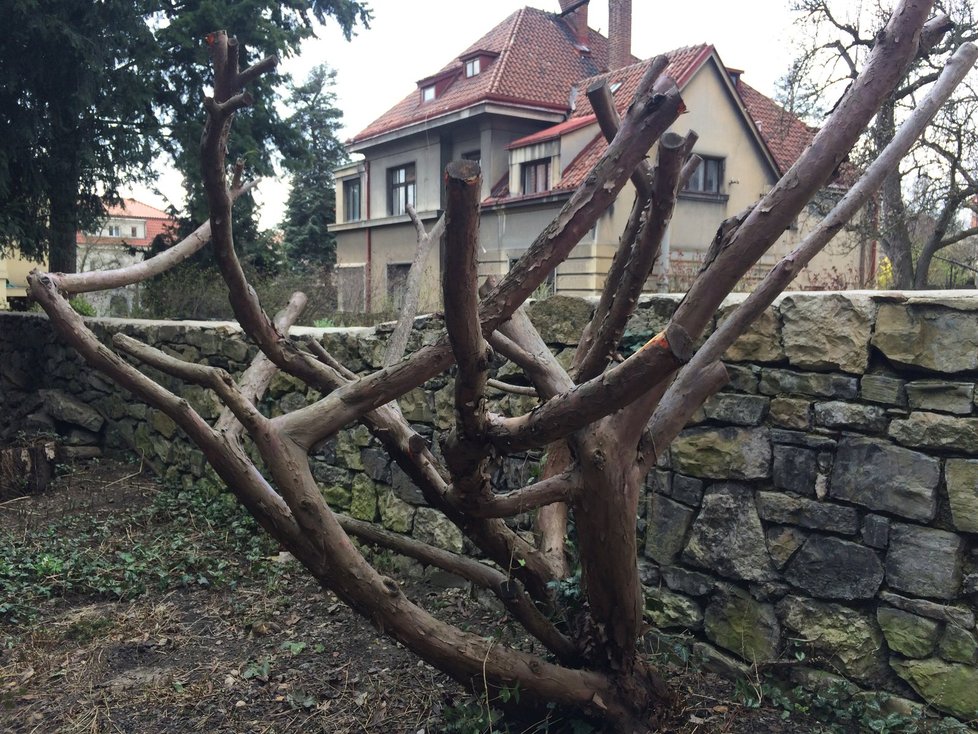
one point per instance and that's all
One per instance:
(784, 134)
(683, 64)
(136, 210)
(156, 222)
(552, 133)
(537, 65)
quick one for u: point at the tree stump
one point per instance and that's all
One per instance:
(26, 469)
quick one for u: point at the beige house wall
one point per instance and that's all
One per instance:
(14, 270)
(374, 250)
(506, 232)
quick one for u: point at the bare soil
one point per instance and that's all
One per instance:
(265, 654)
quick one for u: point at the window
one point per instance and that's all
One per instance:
(351, 288)
(708, 177)
(472, 155)
(536, 176)
(428, 93)
(397, 275)
(400, 189)
(115, 230)
(351, 200)
(472, 67)
(134, 231)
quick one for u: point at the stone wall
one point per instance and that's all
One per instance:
(823, 507)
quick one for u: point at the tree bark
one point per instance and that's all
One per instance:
(62, 246)
(600, 438)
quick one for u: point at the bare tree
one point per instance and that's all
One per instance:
(925, 204)
(604, 423)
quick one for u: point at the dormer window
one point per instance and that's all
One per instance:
(535, 176)
(473, 67)
(428, 93)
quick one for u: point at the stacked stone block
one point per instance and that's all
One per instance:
(825, 502)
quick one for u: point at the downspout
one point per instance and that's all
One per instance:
(368, 285)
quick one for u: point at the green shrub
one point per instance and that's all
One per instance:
(82, 306)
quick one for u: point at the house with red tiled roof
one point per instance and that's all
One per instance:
(129, 223)
(516, 101)
(124, 236)
(128, 230)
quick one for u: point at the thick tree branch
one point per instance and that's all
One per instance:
(256, 379)
(787, 269)
(507, 590)
(466, 453)
(397, 343)
(675, 409)
(641, 259)
(594, 399)
(228, 460)
(732, 257)
(100, 280)
(557, 488)
(238, 406)
(532, 355)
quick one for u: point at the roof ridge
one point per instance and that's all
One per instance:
(122, 210)
(505, 55)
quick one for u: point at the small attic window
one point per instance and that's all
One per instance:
(428, 93)
(473, 67)
(615, 87)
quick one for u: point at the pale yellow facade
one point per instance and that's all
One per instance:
(14, 270)
(727, 136)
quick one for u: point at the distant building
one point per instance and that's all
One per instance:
(515, 100)
(125, 235)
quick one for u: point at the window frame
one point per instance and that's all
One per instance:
(698, 182)
(352, 204)
(115, 230)
(396, 202)
(473, 67)
(530, 173)
(429, 93)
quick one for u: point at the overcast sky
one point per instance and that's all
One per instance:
(408, 41)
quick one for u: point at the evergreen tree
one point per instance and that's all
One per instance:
(312, 201)
(262, 28)
(76, 117)
(90, 90)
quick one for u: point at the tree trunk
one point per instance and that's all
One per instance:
(894, 234)
(604, 422)
(62, 247)
(605, 513)
(934, 243)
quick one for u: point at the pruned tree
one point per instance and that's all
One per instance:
(604, 423)
(925, 205)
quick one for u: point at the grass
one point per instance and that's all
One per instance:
(182, 538)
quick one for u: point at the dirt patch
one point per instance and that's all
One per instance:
(267, 651)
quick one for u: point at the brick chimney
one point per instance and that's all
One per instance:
(574, 13)
(619, 33)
